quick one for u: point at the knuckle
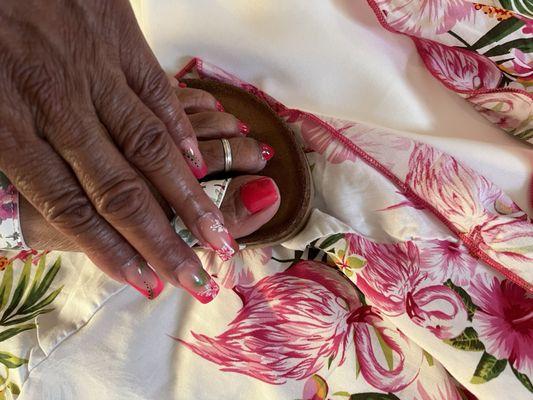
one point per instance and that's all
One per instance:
(147, 143)
(34, 75)
(71, 211)
(156, 85)
(123, 200)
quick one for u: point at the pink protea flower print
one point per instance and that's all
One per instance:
(457, 192)
(393, 281)
(317, 138)
(433, 383)
(376, 142)
(504, 321)
(443, 260)
(288, 327)
(425, 18)
(22, 255)
(238, 270)
(293, 322)
(460, 69)
(509, 241)
(373, 141)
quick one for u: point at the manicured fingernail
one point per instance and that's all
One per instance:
(258, 194)
(267, 152)
(195, 280)
(217, 236)
(219, 106)
(243, 128)
(194, 158)
(182, 85)
(142, 277)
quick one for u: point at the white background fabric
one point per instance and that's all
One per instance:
(334, 58)
(329, 57)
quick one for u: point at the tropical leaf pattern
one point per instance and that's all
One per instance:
(25, 292)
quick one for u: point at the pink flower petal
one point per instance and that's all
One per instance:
(425, 18)
(407, 357)
(288, 328)
(459, 69)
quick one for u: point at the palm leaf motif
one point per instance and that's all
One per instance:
(30, 296)
(20, 303)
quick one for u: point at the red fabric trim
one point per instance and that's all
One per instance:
(187, 68)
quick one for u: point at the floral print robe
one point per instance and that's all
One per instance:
(412, 280)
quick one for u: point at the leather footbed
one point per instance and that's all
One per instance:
(288, 168)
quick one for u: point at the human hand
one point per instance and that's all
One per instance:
(86, 112)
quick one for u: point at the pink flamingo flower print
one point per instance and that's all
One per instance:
(393, 281)
(294, 322)
(504, 321)
(425, 18)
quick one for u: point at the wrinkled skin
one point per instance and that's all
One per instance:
(85, 110)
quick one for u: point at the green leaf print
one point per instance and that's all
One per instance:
(4, 335)
(13, 387)
(527, 134)
(387, 351)
(500, 31)
(10, 360)
(342, 393)
(5, 287)
(429, 358)
(526, 45)
(34, 303)
(522, 6)
(489, 367)
(21, 302)
(467, 300)
(19, 290)
(329, 241)
(373, 396)
(468, 341)
(524, 380)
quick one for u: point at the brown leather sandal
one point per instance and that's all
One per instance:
(288, 168)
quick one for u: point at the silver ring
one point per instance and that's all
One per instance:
(228, 158)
